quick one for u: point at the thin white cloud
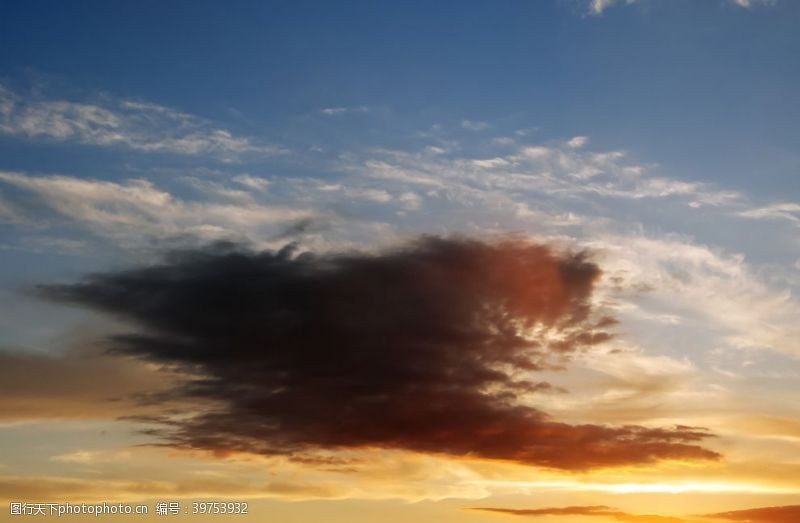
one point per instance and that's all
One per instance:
(137, 211)
(700, 288)
(747, 4)
(334, 111)
(597, 7)
(578, 141)
(789, 211)
(135, 125)
(252, 182)
(562, 171)
(625, 384)
(472, 125)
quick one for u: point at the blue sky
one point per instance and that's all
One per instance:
(662, 136)
(703, 87)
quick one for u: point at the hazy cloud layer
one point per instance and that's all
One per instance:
(429, 347)
(74, 385)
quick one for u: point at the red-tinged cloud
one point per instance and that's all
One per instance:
(788, 514)
(595, 510)
(431, 347)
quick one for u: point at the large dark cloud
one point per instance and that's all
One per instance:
(429, 347)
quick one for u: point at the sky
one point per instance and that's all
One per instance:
(368, 261)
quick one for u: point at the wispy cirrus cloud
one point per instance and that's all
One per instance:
(789, 211)
(597, 7)
(474, 125)
(555, 170)
(703, 287)
(135, 125)
(136, 211)
(752, 3)
(340, 110)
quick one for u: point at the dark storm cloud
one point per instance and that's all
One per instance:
(429, 347)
